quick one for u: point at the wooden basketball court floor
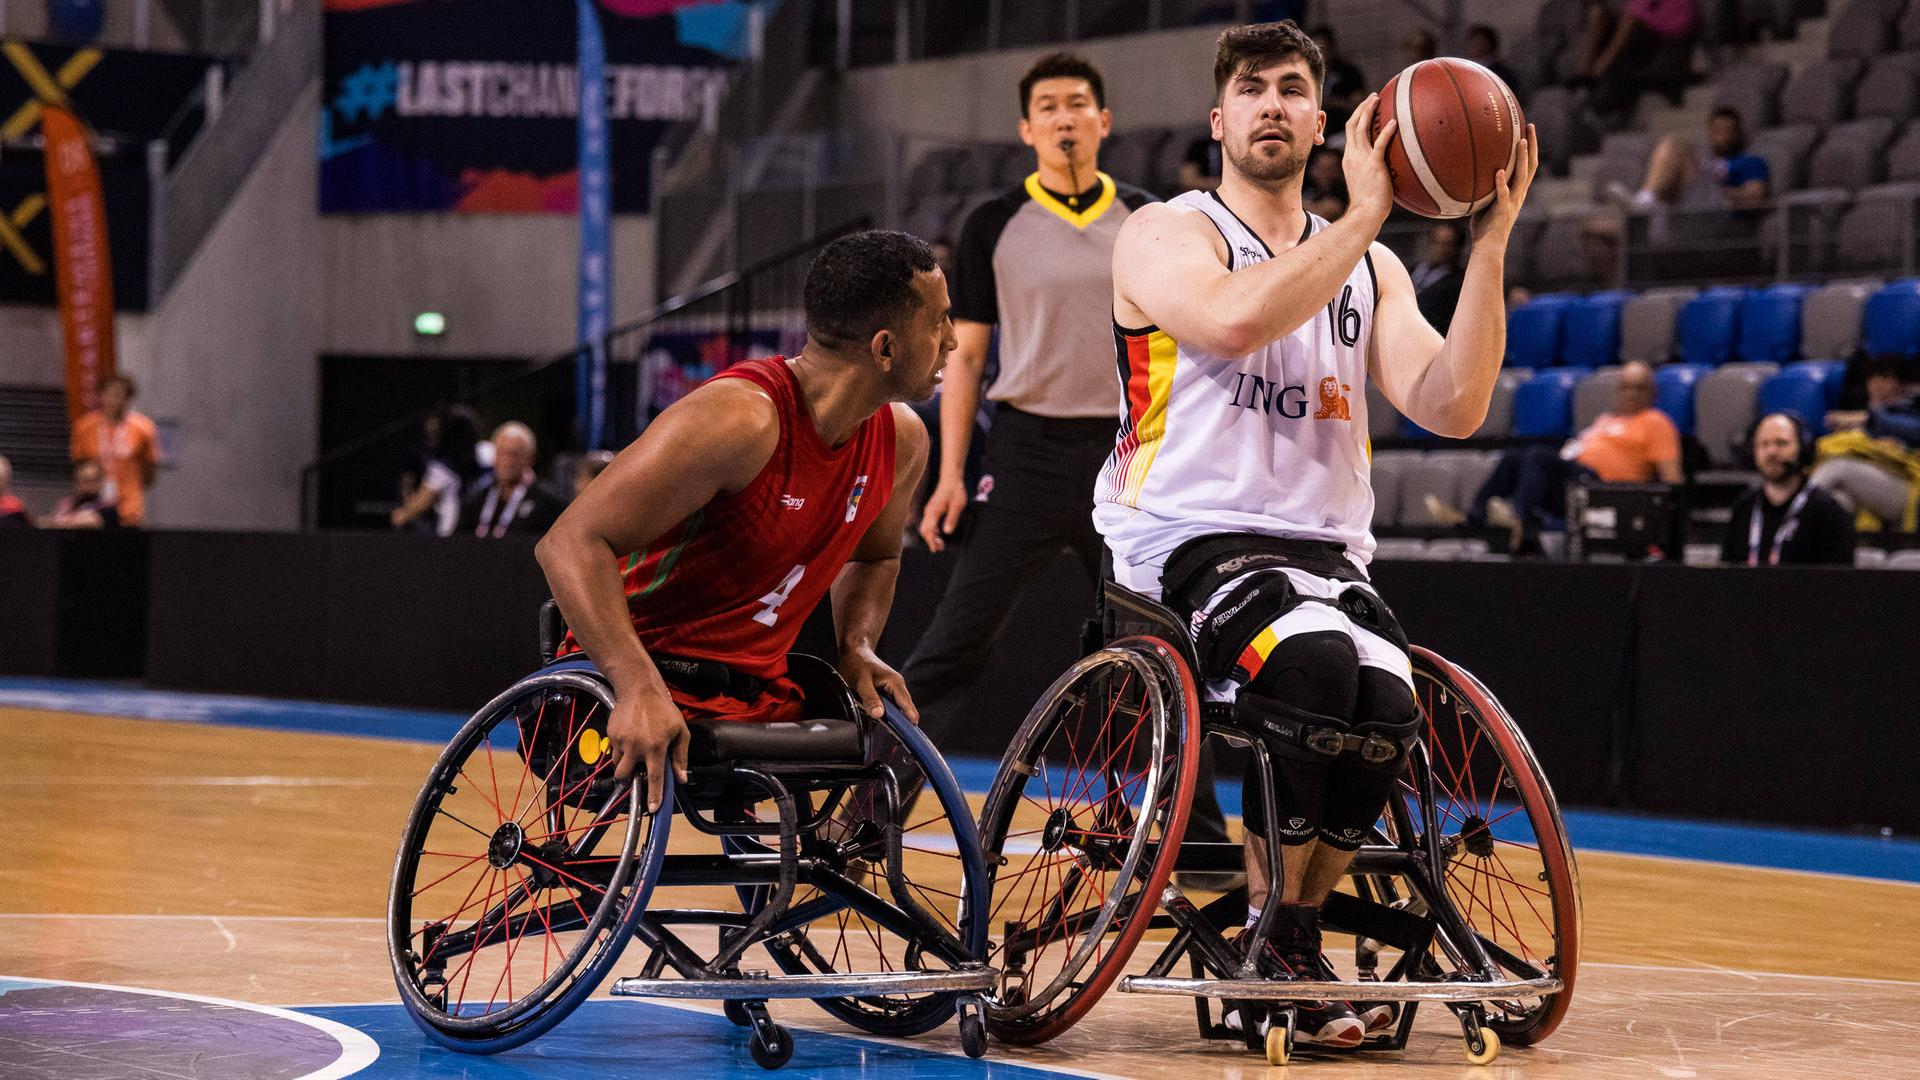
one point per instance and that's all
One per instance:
(239, 850)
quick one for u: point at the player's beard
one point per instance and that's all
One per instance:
(1268, 170)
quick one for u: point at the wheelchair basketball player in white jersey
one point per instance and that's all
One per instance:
(1239, 494)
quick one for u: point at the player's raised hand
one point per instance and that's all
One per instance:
(646, 731)
(1510, 187)
(871, 678)
(1369, 184)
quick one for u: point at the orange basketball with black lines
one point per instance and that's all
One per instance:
(1459, 126)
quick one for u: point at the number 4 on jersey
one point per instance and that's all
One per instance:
(770, 612)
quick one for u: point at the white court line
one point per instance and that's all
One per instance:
(212, 781)
(357, 1051)
(1578, 852)
(1754, 974)
(192, 918)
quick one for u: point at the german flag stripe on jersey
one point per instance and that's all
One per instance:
(1146, 359)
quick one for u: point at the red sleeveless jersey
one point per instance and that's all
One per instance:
(734, 581)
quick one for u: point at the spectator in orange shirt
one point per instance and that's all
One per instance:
(1634, 444)
(126, 446)
(13, 512)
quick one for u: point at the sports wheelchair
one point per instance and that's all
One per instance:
(525, 867)
(1465, 893)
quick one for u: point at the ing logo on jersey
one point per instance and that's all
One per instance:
(1290, 400)
(1333, 400)
(853, 500)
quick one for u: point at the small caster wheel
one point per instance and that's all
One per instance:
(1488, 1049)
(1279, 1044)
(771, 1047)
(737, 1012)
(973, 1033)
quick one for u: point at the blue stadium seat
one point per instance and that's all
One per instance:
(1709, 325)
(1795, 391)
(1590, 329)
(1673, 392)
(1534, 329)
(1893, 320)
(1830, 374)
(1543, 405)
(1770, 324)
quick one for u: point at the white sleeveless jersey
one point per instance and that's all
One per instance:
(1273, 443)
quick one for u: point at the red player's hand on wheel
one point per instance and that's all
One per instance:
(645, 732)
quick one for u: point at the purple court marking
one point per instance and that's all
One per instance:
(58, 1030)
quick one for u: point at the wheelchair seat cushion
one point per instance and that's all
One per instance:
(716, 741)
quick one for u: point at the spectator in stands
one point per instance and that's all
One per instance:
(88, 505)
(943, 253)
(511, 500)
(1634, 444)
(1439, 273)
(13, 512)
(1483, 48)
(124, 443)
(1325, 190)
(1784, 518)
(1416, 45)
(587, 466)
(1870, 463)
(1720, 193)
(1346, 87)
(445, 463)
(1201, 169)
(1635, 46)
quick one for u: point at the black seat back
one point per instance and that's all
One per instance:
(1125, 613)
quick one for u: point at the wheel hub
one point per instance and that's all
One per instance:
(1478, 838)
(505, 846)
(1059, 824)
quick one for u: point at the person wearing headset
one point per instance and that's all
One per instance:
(1783, 518)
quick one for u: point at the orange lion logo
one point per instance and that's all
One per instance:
(1333, 400)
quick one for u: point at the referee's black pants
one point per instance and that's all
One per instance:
(1042, 474)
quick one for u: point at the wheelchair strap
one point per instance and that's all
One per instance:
(707, 678)
(1197, 568)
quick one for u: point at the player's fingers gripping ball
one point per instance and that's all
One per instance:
(1459, 126)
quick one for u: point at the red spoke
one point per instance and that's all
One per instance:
(1524, 890)
(527, 747)
(465, 903)
(416, 893)
(546, 941)
(473, 954)
(486, 747)
(562, 873)
(1106, 730)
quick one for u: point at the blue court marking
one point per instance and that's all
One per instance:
(1772, 847)
(661, 1043)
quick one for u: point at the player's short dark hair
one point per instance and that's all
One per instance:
(861, 283)
(1243, 50)
(1488, 32)
(1884, 365)
(1730, 113)
(125, 383)
(1061, 65)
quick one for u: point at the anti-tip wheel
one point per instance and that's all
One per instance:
(772, 1050)
(737, 1012)
(1489, 1047)
(1279, 1046)
(973, 1033)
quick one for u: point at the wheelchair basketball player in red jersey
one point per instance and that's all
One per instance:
(687, 569)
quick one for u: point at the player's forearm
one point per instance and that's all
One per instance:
(959, 404)
(582, 572)
(862, 598)
(1265, 303)
(1457, 386)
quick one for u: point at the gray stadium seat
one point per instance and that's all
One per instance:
(1776, 18)
(1593, 395)
(1786, 150)
(1400, 548)
(1821, 93)
(1876, 232)
(1903, 157)
(1623, 161)
(1753, 90)
(929, 217)
(1869, 558)
(1647, 322)
(931, 174)
(1852, 155)
(1556, 113)
(1560, 252)
(1523, 246)
(1723, 402)
(1811, 221)
(1890, 88)
(1864, 28)
(1383, 420)
(1499, 419)
(1389, 471)
(1904, 560)
(1830, 319)
(1471, 469)
(1433, 474)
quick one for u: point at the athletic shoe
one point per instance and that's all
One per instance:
(1443, 513)
(1293, 953)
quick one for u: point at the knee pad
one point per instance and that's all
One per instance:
(1317, 672)
(1386, 723)
(1302, 748)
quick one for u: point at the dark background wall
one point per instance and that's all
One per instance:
(1785, 695)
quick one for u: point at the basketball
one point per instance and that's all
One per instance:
(1459, 125)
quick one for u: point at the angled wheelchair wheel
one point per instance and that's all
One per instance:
(1082, 828)
(1509, 870)
(908, 893)
(523, 868)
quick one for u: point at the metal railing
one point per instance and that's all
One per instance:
(661, 355)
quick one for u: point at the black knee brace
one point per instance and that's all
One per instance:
(1296, 706)
(1386, 723)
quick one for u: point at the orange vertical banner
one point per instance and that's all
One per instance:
(83, 275)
